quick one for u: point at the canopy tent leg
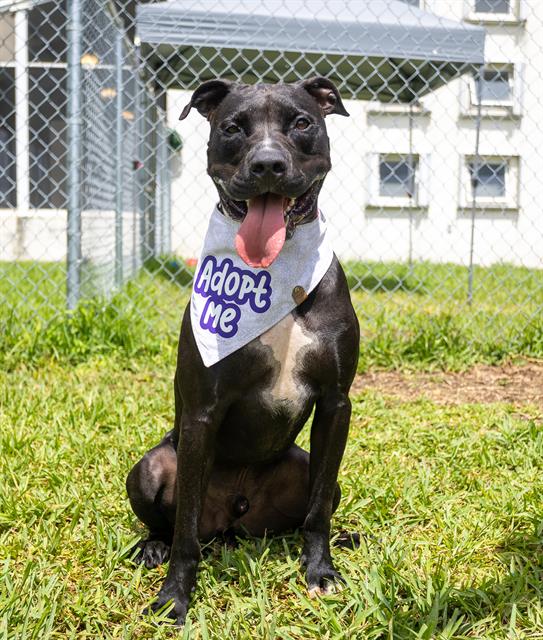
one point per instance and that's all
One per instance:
(21, 100)
(74, 155)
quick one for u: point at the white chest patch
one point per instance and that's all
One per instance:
(286, 339)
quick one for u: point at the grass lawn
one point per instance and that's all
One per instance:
(416, 317)
(447, 499)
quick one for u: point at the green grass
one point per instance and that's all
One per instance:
(447, 499)
(32, 288)
(420, 316)
(414, 317)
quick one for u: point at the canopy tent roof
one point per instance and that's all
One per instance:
(373, 49)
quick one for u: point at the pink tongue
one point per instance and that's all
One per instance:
(261, 235)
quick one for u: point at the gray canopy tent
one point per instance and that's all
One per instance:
(383, 50)
(373, 49)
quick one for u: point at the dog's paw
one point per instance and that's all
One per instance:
(151, 553)
(168, 609)
(329, 589)
(323, 581)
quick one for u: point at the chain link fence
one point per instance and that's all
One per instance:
(434, 197)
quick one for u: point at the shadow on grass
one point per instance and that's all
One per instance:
(369, 281)
(433, 607)
(512, 600)
(388, 596)
(171, 269)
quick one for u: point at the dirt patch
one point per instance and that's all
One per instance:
(516, 384)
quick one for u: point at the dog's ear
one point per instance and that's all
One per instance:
(207, 97)
(326, 94)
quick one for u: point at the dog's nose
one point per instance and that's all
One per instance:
(268, 162)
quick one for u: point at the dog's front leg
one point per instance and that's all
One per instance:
(194, 462)
(328, 437)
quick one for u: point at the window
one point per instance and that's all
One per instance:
(47, 38)
(499, 90)
(8, 190)
(493, 11)
(398, 180)
(492, 6)
(397, 177)
(496, 86)
(488, 179)
(492, 180)
(47, 131)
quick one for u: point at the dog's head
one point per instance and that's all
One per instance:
(268, 154)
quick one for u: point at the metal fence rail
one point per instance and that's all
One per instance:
(435, 190)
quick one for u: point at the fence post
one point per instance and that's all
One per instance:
(119, 157)
(22, 123)
(73, 254)
(157, 220)
(142, 134)
(474, 182)
(133, 164)
(168, 202)
(138, 202)
(411, 190)
(165, 204)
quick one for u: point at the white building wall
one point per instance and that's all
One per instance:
(440, 233)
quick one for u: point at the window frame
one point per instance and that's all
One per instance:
(495, 108)
(419, 200)
(376, 108)
(493, 12)
(485, 102)
(509, 202)
(513, 17)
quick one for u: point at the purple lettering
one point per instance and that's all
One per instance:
(228, 288)
(219, 317)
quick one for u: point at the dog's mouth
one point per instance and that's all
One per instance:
(266, 220)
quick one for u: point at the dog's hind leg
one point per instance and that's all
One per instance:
(151, 491)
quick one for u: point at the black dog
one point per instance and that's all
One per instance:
(232, 451)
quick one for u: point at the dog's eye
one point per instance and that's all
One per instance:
(231, 129)
(302, 123)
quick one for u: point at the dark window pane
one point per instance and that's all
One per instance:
(495, 86)
(47, 134)
(492, 6)
(491, 179)
(396, 178)
(47, 32)
(8, 191)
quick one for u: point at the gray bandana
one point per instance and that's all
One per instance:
(232, 303)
